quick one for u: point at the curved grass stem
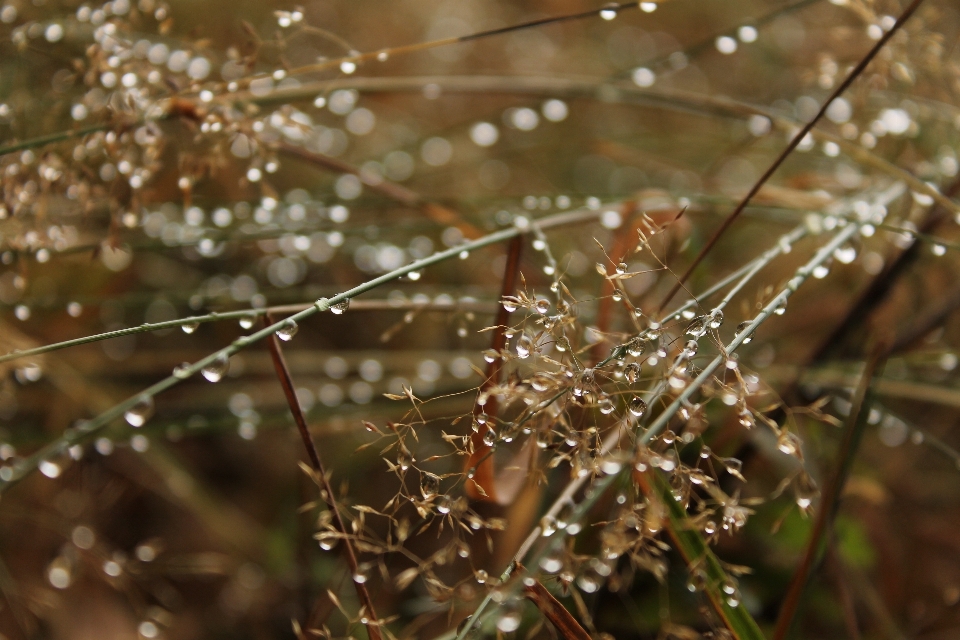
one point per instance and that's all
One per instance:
(251, 315)
(88, 429)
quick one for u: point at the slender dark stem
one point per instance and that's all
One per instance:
(286, 381)
(793, 145)
(482, 486)
(830, 499)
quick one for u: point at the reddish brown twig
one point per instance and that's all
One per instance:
(562, 620)
(286, 381)
(482, 485)
(794, 142)
(436, 212)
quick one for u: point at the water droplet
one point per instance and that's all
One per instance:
(632, 372)
(49, 469)
(551, 563)
(524, 346)
(741, 328)
(490, 437)
(59, 574)
(189, 327)
(215, 370)
(729, 586)
(429, 485)
(733, 599)
(139, 413)
(509, 306)
(543, 305)
(622, 268)
(636, 348)
(287, 331)
(637, 406)
(510, 618)
(698, 327)
(361, 575)
(781, 308)
(716, 319)
(490, 355)
(548, 526)
(697, 581)
(182, 371)
(247, 322)
(690, 349)
(341, 307)
(445, 504)
(788, 443)
(606, 406)
(845, 254)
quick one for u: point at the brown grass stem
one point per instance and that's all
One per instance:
(794, 143)
(562, 620)
(483, 485)
(368, 612)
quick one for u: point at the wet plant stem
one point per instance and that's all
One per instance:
(86, 430)
(482, 484)
(794, 143)
(250, 315)
(368, 613)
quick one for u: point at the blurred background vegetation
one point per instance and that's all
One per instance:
(166, 160)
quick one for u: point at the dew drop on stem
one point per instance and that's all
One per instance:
(637, 406)
(524, 346)
(548, 526)
(444, 504)
(182, 371)
(214, 371)
(247, 322)
(429, 485)
(189, 327)
(341, 307)
(716, 319)
(635, 348)
(510, 617)
(288, 330)
(139, 413)
(606, 406)
(328, 543)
